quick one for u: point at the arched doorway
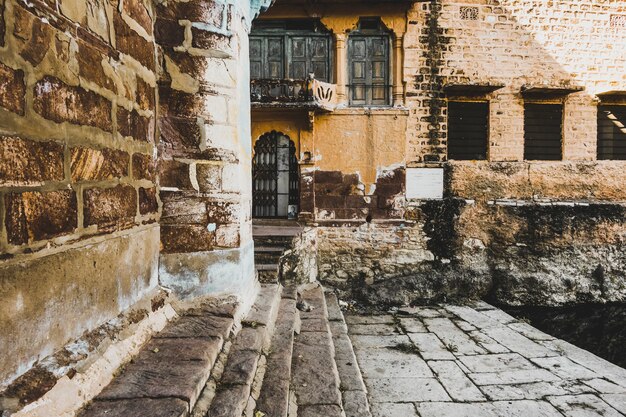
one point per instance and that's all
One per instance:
(275, 179)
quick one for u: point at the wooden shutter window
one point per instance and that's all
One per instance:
(612, 133)
(468, 130)
(543, 132)
(290, 49)
(369, 65)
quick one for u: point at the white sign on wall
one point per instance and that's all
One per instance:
(424, 183)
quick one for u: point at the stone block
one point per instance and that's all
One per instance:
(143, 167)
(195, 11)
(175, 174)
(26, 162)
(203, 349)
(177, 210)
(355, 404)
(186, 238)
(383, 390)
(584, 405)
(136, 10)
(98, 19)
(33, 216)
(179, 136)
(223, 212)
(203, 39)
(168, 32)
(110, 207)
(197, 66)
(98, 164)
(131, 123)
(12, 89)
(145, 95)
(59, 102)
(456, 383)
(185, 380)
(90, 65)
(315, 379)
(240, 368)
(250, 338)
(453, 337)
(228, 236)
(148, 200)
(41, 327)
(320, 410)
(393, 410)
(209, 177)
(132, 44)
(33, 36)
(164, 407)
(230, 401)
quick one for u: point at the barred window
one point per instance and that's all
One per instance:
(468, 130)
(543, 132)
(368, 52)
(612, 132)
(290, 49)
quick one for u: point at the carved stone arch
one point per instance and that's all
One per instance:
(275, 177)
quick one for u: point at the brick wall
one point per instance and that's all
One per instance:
(510, 42)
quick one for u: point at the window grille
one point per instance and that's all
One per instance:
(468, 130)
(543, 132)
(612, 132)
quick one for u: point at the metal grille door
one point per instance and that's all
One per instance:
(275, 177)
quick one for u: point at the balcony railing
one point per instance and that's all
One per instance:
(309, 93)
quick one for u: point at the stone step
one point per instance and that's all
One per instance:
(274, 240)
(267, 258)
(353, 391)
(266, 267)
(315, 379)
(238, 387)
(165, 379)
(269, 249)
(274, 396)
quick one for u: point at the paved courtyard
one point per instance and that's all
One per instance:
(477, 361)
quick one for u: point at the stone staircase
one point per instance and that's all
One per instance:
(289, 357)
(272, 238)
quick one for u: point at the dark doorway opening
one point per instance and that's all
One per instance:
(275, 177)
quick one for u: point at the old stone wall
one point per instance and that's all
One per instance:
(78, 200)
(204, 148)
(124, 137)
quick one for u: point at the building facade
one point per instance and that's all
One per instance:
(471, 147)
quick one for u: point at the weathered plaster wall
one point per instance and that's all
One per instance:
(355, 155)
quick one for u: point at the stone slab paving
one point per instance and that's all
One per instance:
(477, 361)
